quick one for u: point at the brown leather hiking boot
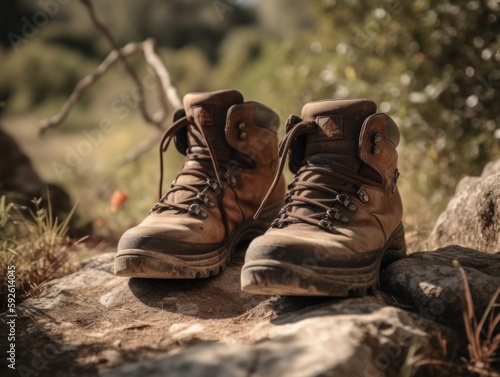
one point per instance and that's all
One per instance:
(342, 215)
(231, 159)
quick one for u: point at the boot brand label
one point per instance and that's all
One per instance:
(204, 116)
(330, 127)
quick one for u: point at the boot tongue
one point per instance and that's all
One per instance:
(209, 110)
(339, 124)
(334, 143)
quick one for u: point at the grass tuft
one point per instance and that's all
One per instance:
(483, 340)
(35, 243)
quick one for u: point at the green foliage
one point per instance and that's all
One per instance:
(7, 242)
(188, 67)
(433, 66)
(36, 246)
(241, 47)
(42, 73)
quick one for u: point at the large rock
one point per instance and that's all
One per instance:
(359, 337)
(472, 218)
(93, 322)
(429, 284)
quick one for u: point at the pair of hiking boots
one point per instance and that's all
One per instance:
(328, 235)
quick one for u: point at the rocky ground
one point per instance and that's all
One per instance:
(94, 323)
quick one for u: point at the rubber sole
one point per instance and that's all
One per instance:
(157, 265)
(271, 277)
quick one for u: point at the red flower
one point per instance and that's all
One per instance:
(118, 199)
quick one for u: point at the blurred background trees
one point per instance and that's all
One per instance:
(432, 65)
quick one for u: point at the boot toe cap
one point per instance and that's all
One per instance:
(170, 240)
(322, 250)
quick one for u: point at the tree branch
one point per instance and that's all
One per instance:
(129, 49)
(133, 75)
(155, 62)
(167, 92)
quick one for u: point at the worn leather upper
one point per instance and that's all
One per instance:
(346, 149)
(244, 142)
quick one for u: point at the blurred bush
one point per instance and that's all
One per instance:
(42, 73)
(433, 66)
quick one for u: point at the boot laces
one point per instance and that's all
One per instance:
(208, 175)
(329, 188)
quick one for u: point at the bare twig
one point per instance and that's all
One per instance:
(120, 54)
(167, 92)
(133, 75)
(129, 49)
(155, 62)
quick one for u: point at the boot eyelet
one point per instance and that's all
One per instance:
(230, 179)
(325, 224)
(205, 199)
(333, 213)
(241, 126)
(277, 224)
(376, 150)
(377, 138)
(363, 196)
(243, 135)
(195, 210)
(212, 183)
(344, 200)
